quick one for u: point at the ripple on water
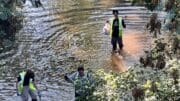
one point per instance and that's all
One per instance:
(56, 40)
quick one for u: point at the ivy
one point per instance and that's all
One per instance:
(10, 23)
(139, 84)
(5, 13)
(172, 8)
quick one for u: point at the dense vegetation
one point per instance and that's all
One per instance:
(171, 7)
(156, 78)
(10, 23)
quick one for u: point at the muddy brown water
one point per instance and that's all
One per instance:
(55, 40)
(135, 42)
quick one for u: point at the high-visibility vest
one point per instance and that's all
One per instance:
(120, 26)
(20, 83)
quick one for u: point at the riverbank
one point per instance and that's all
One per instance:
(155, 78)
(56, 40)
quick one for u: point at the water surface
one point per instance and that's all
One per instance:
(55, 40)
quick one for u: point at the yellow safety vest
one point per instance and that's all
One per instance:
(120, 26)
(20, 83)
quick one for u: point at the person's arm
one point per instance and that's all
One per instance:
(123, 24)
(72, 77)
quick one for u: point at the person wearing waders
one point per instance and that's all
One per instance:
(116, 29)
(26, 85)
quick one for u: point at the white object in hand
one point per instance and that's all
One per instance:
(106, 28)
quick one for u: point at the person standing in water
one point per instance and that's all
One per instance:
(116, 30)
(26, 85)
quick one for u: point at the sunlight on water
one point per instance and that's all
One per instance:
(55, 40)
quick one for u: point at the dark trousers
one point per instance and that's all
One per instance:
(26, 92)
(115, 41)
(38, 3)
(24, 1)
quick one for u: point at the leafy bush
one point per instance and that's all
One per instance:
(5, 13)
(169, 6)
(137, 84)
(150, 4)
(10, 23)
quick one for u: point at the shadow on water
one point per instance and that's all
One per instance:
(117, 62)
(135, 42)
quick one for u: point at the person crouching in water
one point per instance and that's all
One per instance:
(116, 29)
(26, 85)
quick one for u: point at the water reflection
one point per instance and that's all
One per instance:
(56, 40)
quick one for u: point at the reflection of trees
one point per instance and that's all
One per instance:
(82, 13)
(73, 14)
(80, 10)
(77, 11)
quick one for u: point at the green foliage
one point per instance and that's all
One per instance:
(2, 34)
(5, 13)
(138, 83)
(10, 23)
(172, 8)
(150, 4)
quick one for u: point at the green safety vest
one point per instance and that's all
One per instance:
(20, 83)
(120, 26)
